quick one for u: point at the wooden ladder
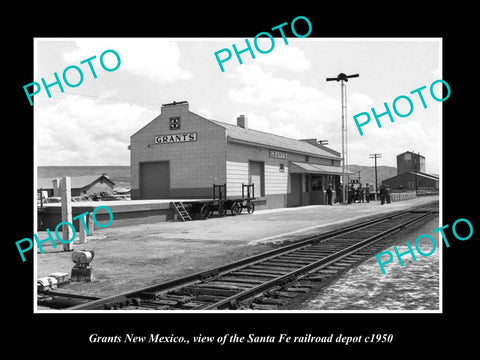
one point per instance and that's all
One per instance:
(181, 211)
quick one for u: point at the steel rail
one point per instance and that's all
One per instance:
(67, 295)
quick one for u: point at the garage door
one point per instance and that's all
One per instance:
(255, 170)
(155, 180)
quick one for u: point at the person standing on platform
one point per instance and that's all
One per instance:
(367, 193)
(383, 191)
(339, 197)
(329, 195)
(360, 193)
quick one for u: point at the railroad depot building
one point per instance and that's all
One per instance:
(180, 155)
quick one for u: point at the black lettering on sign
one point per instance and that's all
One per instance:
(177, 138)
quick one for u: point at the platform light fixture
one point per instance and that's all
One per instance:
(343, 89)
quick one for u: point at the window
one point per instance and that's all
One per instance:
(317, 182)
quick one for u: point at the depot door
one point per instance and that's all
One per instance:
(155, 180)
(296, 190)
(256, 176)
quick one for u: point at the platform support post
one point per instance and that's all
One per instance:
(90, 223)
(82, 236)
(66, 198)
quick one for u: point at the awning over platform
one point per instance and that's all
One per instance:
(305, 168)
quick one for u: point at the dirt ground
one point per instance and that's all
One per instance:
(148, 258)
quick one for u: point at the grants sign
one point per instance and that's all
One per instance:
(278, 154)
(176, 138)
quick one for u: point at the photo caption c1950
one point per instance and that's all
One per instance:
(244, 339)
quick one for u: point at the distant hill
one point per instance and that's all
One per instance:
(120, 175)
(367, 173)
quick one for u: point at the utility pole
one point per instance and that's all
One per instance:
(66, 198)
(375, 156)
(343, 89)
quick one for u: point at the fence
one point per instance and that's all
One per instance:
(402, 196)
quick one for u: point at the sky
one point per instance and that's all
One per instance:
(283, 92)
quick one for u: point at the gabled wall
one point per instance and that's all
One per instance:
(194, 165)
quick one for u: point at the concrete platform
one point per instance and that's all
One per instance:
(133, 256)
(125, 212)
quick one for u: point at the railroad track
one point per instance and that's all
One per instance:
(268, 280)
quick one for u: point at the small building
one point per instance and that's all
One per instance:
(409, 161)
(46, 186)
(80, 185)
(414, 181)
(180, 155)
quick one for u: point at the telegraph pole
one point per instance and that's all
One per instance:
(375, 156)
(343, 89)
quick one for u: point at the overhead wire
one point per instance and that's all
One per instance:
(104, 99)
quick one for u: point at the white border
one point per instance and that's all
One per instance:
(306, 312)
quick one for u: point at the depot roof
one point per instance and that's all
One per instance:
(307, 168)
(426, 175)
(255, 137)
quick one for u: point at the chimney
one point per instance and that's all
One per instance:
(175, 106)
(242, 122)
